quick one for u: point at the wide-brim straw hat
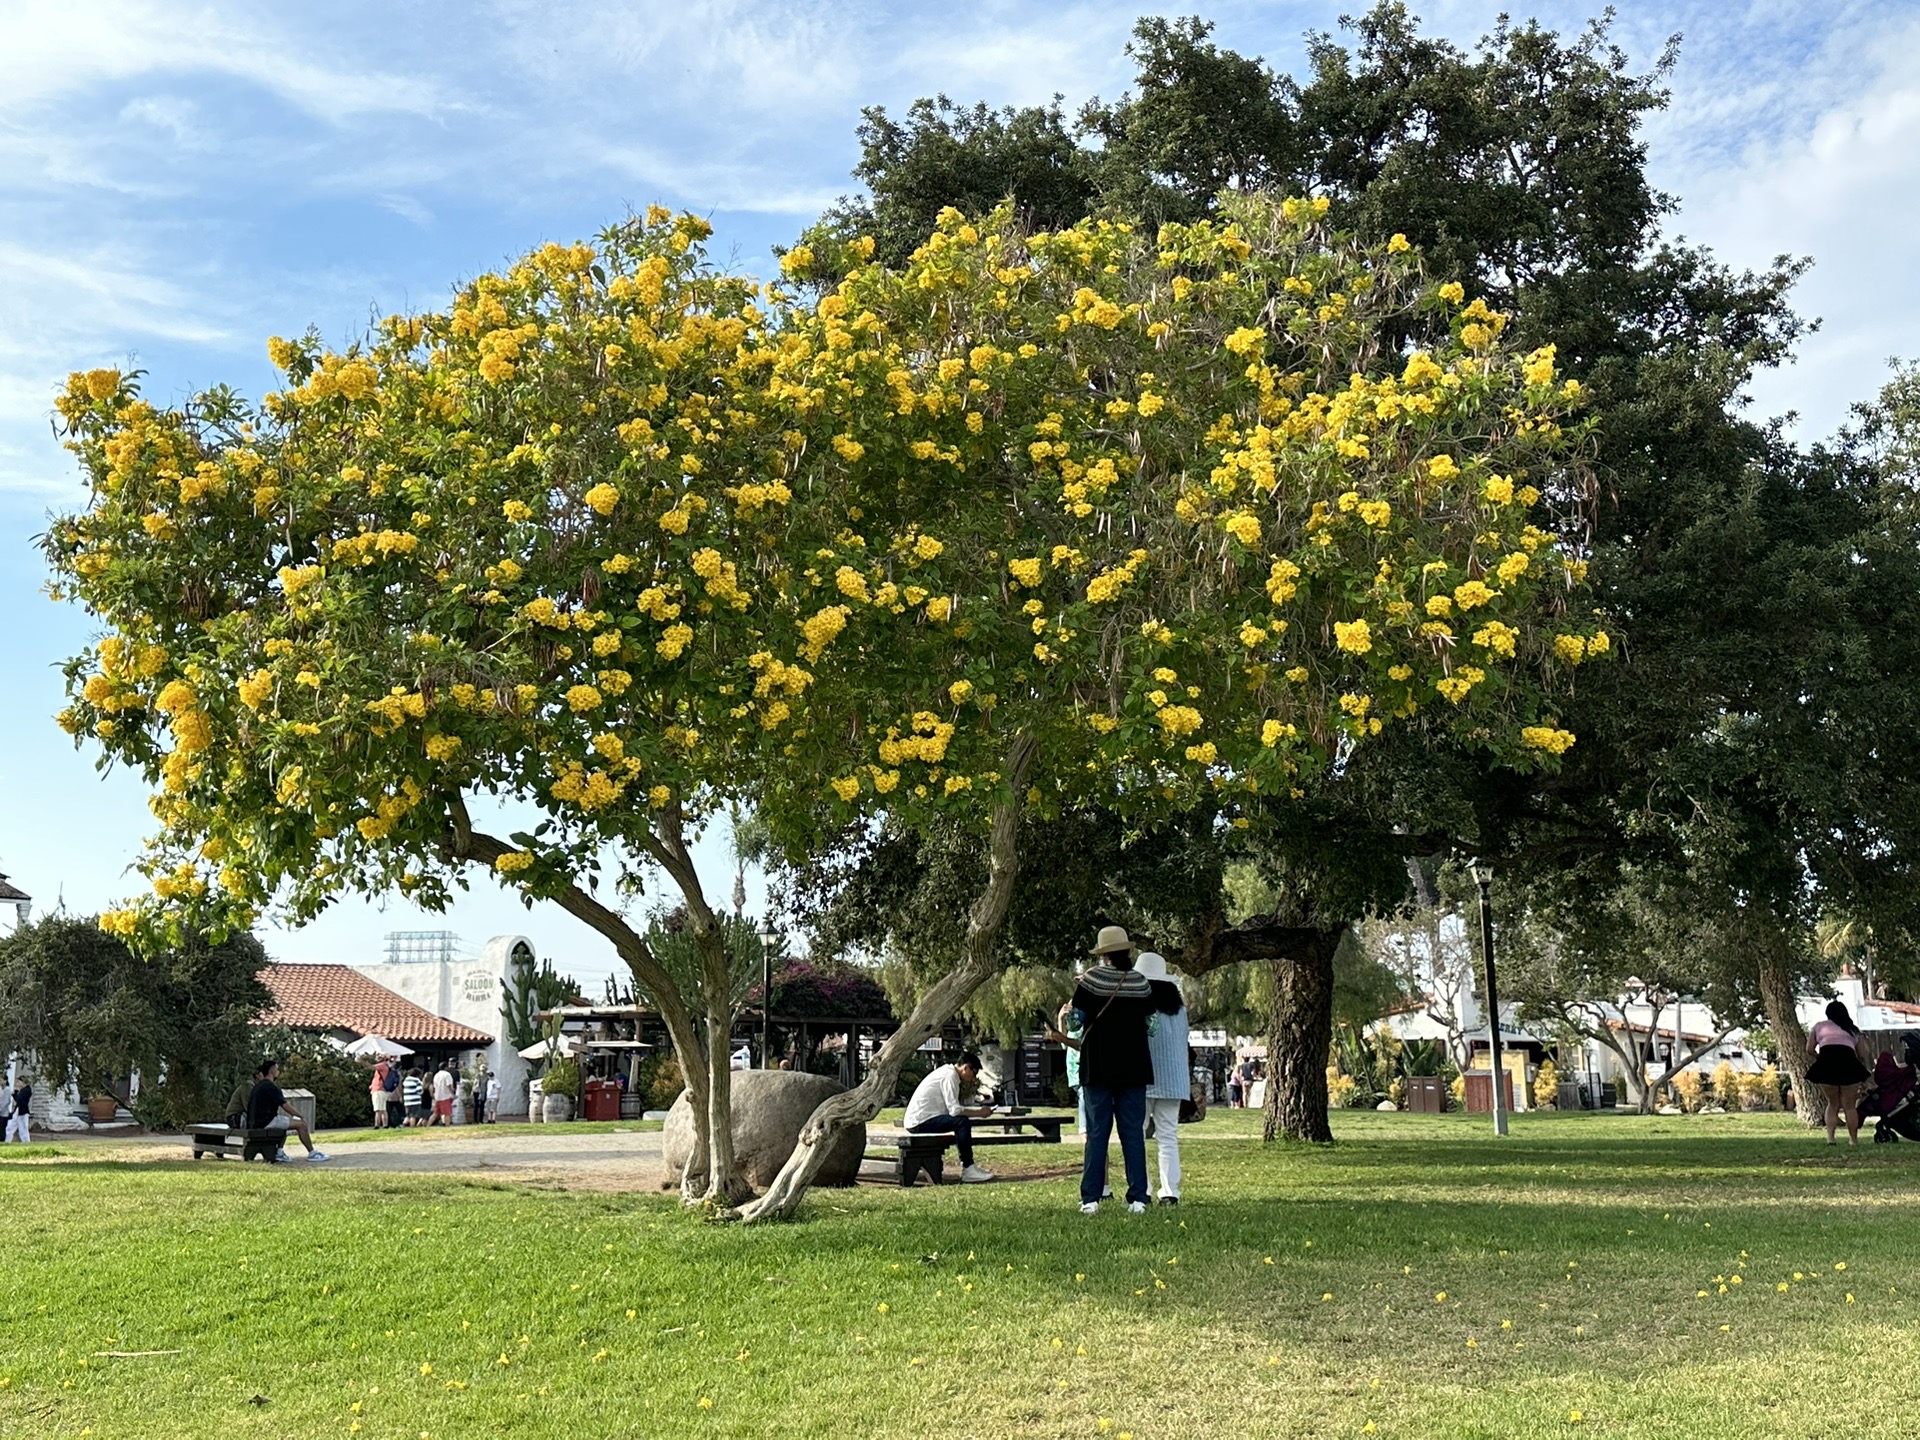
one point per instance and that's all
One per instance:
(1112, 940)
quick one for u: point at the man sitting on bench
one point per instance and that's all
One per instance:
(935, 1109)
(242, 1096)
(267, 1109)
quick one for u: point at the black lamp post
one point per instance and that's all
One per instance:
(1483, 877)
(769, 937)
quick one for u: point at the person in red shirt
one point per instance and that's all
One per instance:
(378, 1090)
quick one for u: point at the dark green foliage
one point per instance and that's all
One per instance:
(84, 1006)
(530, 988)
(1200, 120)
(969, 157)
(660, 1082)
(562, 1077)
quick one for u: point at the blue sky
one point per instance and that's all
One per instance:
(178, 181)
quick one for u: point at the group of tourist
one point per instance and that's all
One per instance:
(1126, 1035)
(425, 1098)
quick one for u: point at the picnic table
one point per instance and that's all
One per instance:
(928, 1152)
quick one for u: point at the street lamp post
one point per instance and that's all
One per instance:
(769, 937)
(1483, 877)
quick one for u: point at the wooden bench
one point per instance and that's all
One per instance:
(92, 1122)
(928, 1151)
(220, 1141)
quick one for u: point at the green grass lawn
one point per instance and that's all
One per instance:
(1698, 1276)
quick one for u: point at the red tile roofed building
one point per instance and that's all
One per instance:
(334, 998)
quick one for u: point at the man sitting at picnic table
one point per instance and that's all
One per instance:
(267, 1109)
(935, 1109)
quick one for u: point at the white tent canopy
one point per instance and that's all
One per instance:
(538, 1050)
(378, 1046)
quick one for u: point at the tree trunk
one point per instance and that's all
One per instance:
(1779, 999)
(978, 961)
(725, 1185)
(649, 976)
(1301, 1039)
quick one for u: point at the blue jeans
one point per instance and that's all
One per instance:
(1108, 1107)
(959, 1126)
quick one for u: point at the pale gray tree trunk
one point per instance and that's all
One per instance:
(725, 1186)
(978, 961)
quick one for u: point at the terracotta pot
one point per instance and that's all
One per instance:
(102, 1107)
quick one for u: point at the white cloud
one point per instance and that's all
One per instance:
(1842, 187)
(51, 48)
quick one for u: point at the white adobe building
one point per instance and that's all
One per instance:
(16, 907)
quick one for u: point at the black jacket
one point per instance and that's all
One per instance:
(1113, 1045)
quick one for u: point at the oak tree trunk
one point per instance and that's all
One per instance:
(1779, 999)
(1300, 1039)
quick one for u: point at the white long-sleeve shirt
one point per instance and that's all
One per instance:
(938, 1094)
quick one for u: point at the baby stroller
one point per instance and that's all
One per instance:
(1894, 1095)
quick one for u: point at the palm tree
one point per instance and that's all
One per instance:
(1841, 937)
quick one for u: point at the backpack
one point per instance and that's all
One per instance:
(393, 1079)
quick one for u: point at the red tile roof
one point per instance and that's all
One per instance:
(338, 997)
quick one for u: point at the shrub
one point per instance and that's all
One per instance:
(339, 1085)
(1340, 1087)
(1762, 1091)
(562, 1078)
(1691, 1089)
(1457, 1090)
(660, 1082)
(1546, 1086)
(1726, 1085)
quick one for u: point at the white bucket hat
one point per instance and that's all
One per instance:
(1153, 965)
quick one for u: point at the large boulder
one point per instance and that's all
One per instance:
(769, 1107)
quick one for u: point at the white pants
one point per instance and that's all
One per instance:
(1165, 1115)
(17, 1126)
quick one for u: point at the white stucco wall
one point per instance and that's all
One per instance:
(469, 992)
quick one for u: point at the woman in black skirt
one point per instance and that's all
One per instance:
(1838, 1069)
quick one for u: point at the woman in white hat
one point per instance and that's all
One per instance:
(1114, 1002)
(1172, 1070)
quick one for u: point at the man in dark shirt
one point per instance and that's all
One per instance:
(267, 1109)
(1115, 1004)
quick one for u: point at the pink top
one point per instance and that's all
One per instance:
(1825, 1033)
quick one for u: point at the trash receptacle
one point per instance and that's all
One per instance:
(601, 1100)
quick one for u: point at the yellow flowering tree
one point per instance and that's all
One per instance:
(1033, 520)
(1149, 521)
(511, 549)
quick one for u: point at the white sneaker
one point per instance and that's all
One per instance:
(975, 1175)
(1136, 1207)
(316, 1155)
(1092, 1207)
